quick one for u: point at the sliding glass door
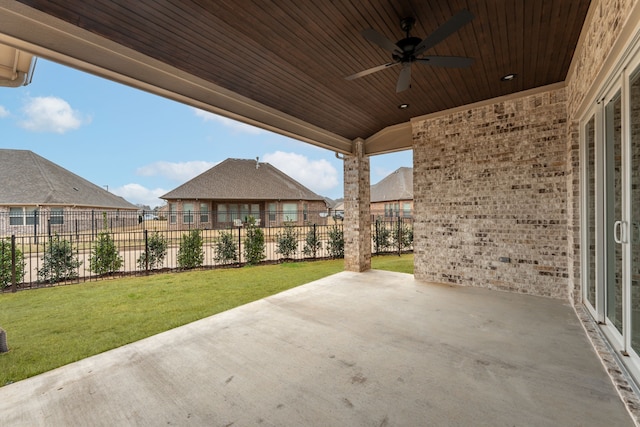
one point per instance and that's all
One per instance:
(615, 228)
(634, 153)
(611, 213)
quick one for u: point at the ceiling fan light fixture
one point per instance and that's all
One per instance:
(508, 77)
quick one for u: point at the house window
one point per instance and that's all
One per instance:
(222, 213)
(172, 213)
(391, 210)
(16, 216)
(244, 212)
(231, 212)
(290, 212)
(30, 215)
(272, 211)
(406, 209)
(22, 216)
(187, 213)
(204, 212)
(57, 216)
(388, 210)
(234, 213)
(305, 212)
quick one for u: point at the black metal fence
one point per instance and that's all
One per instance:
(28, 261)
(48, 222)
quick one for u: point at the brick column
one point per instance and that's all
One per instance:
(357, 218)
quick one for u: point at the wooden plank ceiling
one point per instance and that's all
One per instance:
(294, 55)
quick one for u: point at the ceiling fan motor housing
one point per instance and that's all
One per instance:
(408, 47)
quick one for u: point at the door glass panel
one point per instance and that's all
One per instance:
(613, 126)
(590, 220)
(634, 123)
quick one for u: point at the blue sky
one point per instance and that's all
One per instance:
(141, 145)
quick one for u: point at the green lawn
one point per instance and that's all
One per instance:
(50, 327)
(399, 264)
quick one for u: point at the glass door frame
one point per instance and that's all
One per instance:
(597, 311)
(614, 229)
(624, 231)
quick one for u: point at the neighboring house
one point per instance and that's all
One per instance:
(38, 196)
(337, 209)
(393, 196)
(232, 191)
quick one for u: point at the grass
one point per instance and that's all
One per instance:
(51, 327)
(399, 264)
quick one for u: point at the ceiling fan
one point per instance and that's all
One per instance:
(409, 49)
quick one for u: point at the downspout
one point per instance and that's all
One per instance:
(11, 77)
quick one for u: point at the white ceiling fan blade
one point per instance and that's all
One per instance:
(371, 70)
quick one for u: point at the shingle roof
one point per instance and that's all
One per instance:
(398, 185)
(242, 179)
(29, 179)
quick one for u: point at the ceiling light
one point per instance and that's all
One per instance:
(508, 77)
(403, 106)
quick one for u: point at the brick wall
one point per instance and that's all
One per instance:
(598, 38)
(490, 182)
(357, 219)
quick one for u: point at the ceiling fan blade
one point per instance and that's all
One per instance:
(445, 30)
(446, 61)
(404, 79)
(371, 70)
(375, 37)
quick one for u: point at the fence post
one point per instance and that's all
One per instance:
(239, 247)
(315, 240)
(376, 241)
(146, 251)
(14, 285)
(400, 235)
(35, 226)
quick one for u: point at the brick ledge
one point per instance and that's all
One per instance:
(620, 378)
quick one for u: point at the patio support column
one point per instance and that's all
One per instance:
(357, 218)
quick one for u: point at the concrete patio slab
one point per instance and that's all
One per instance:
(353, 349)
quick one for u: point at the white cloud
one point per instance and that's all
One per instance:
(50, 114)
(319, 175)
(3, 112)
(137, 194)
(233, 124)
(180, 172)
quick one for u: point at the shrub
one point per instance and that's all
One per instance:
(382, 239)
(191, 254)
(226, 248)
(312, 243)
(253, 243)
(287, 241)
(5, 264)
(335, 244)
(156, 251)
(104, 255)
(402, 236)
(59, 262)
